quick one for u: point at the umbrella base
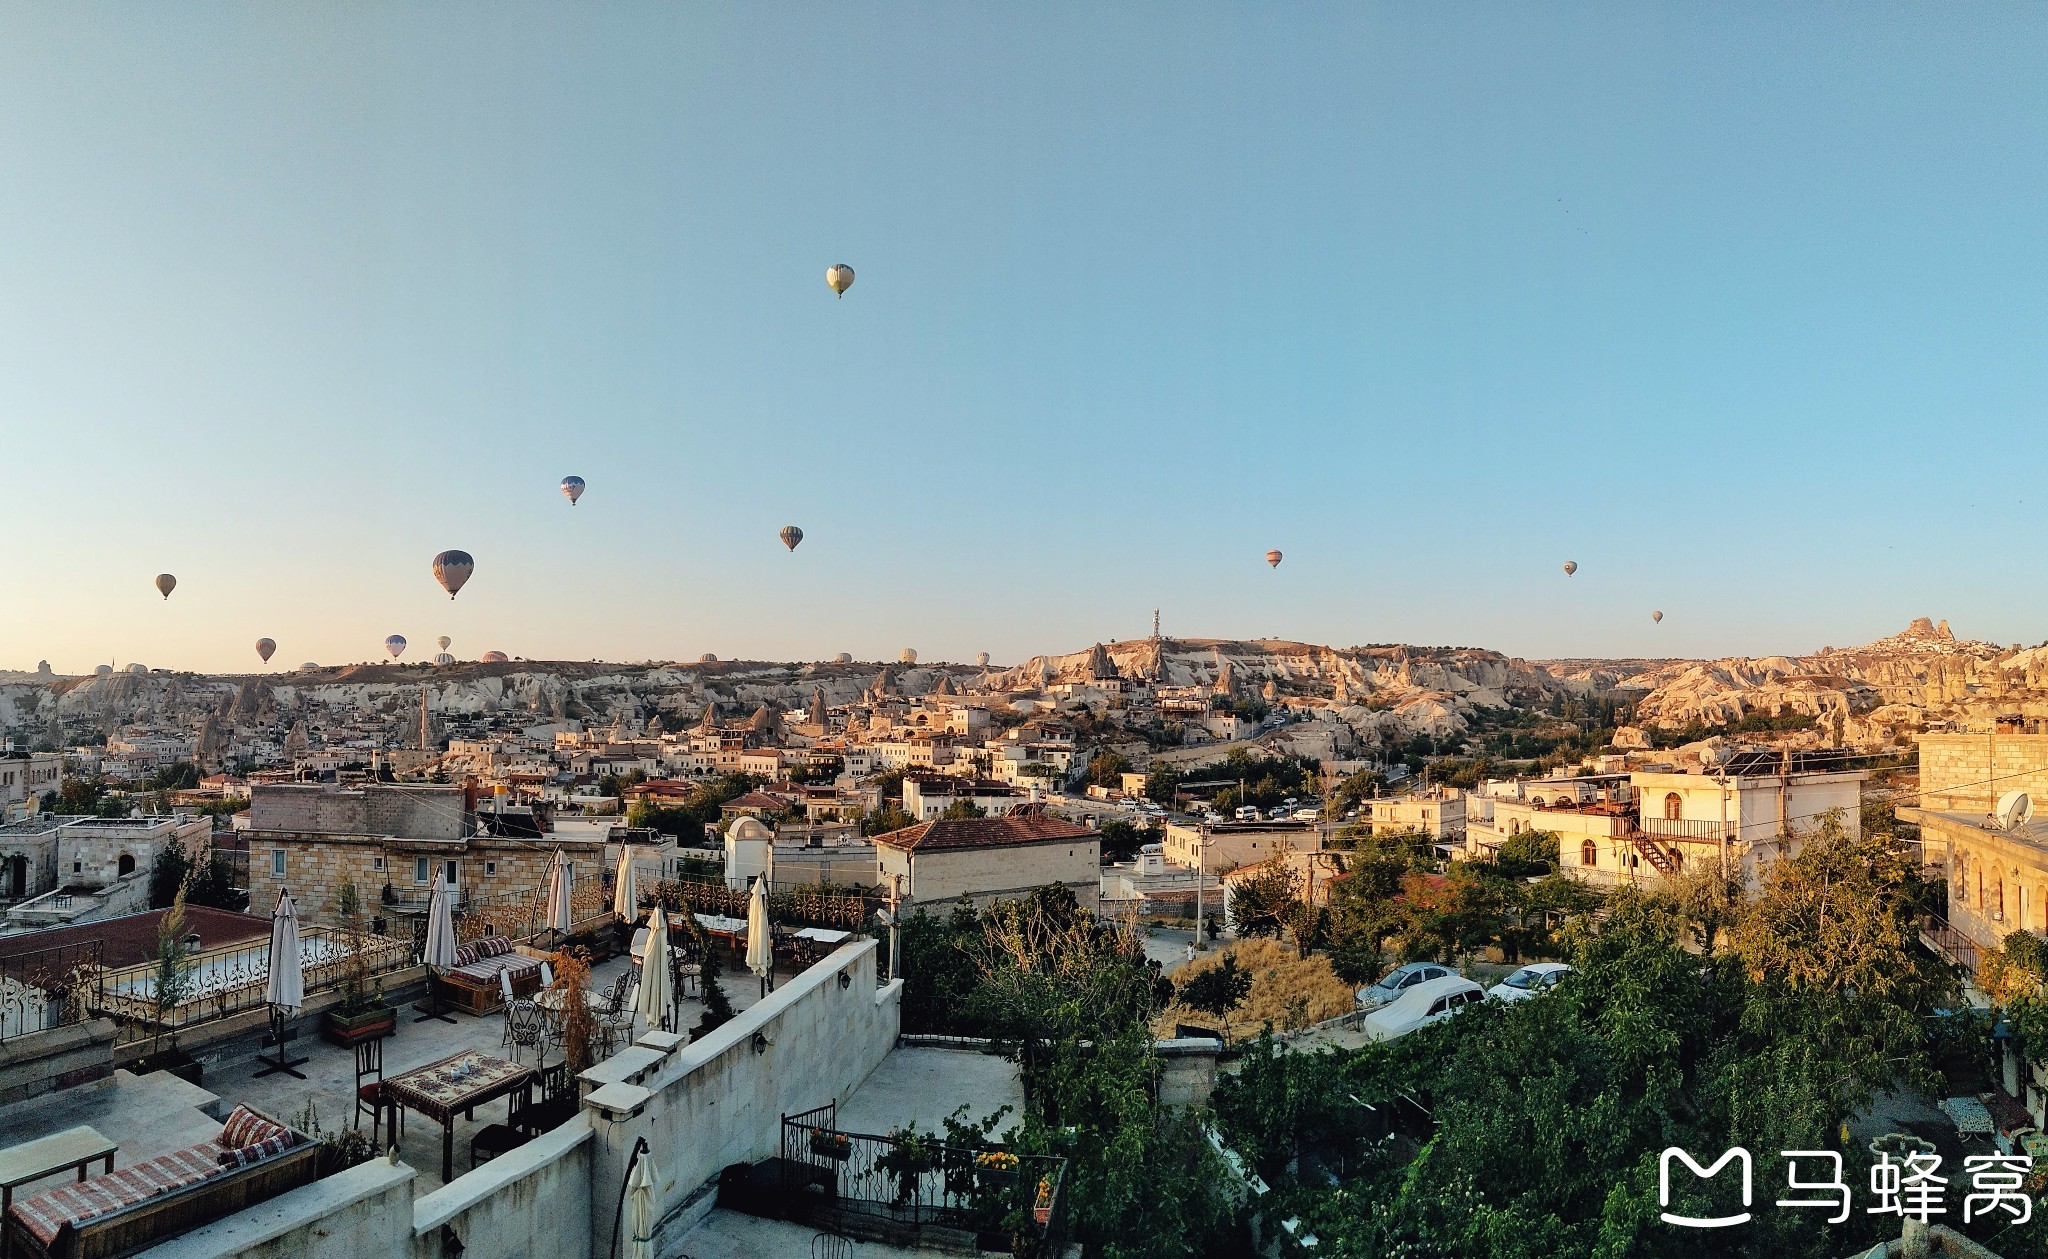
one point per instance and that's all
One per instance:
(281, 1038)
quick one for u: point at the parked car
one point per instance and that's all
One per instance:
(1398, 981)
(1291, 801)
(1351, 815)
(1248, 813)
(1537, 977)
(1431, 1001)
(1212, 817)
(1307, 815)
(1279, 812)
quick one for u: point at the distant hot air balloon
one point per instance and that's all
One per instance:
(443, 641)
(264, 647)
(103, 670)
(395, 645)
(1656, 616)
(844, 657)
(452, 569)
(707, 658)
(981, 658)
(443, 658)
(165, 584)
(1273, 558)
(310, 664)
(572, 487)
(791, 535)
(138, 667)
(840, 277)
(495, 657)
(1025, 706)
(1570, 567)
(908, 655)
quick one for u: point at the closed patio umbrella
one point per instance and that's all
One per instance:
(625, 895)
(640, 1216)
(760, 941)
(286, 989)
(439, 953)
(561, 882)
(657, 990)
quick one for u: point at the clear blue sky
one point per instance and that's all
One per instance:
(1741, 307)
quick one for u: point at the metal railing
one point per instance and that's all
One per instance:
(789, 904)
(1674, 828)
(1951, 944)
(519, 916)
(1015, 1201)
(218, 983)
(49, 988)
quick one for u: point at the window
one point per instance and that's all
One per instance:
(1998, 899)
(377, 863)
(448, 872)
(1442, 1004)
(126, 864)
(1589, 853)
(1674, 806)
(78, 867)
(490, 868)
(419, 870)
(277, 863)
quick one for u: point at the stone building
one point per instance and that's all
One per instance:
(1997, 872)
(990, 858)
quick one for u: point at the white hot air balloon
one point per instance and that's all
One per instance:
(452, 569)
(572, 488)
(103, 670)
(981, 658)
(844, 657)
(840, 277)
(1570, 567)
(265, 646)
(395, 645)
(909, 655)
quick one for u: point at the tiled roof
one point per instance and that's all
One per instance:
(131, 938)
(984, 832)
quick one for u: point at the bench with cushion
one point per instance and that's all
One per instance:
(121, 1212)
(472, 983)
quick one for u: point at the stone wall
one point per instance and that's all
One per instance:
(1004, 872)
(60, 1058)
(411, 812)
(316, 867)
(1966, 773)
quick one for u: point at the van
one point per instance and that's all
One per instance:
(1247, 813)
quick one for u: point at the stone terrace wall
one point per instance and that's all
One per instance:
(407, 812)
(1968, 772)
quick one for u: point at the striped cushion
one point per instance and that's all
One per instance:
(464, 956)
(492, 946)
(47, 1213)
(245, 1127)
(248, 1154)
(485, 970)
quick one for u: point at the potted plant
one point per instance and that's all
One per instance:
(833, 1145)
(171, 987)
(1041, 1209)
(909, 1158)
(362, 1013)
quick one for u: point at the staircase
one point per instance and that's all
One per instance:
(1654, 855)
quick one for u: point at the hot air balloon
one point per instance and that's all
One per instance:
(443, 641)
(572, 488)
(791, 535)
(452, 569)
(138, 667)
(1273, 558)
(840, 277)
(844, 657)
(707, 658)
(1570, 567)
(165, 584)
(443, 658)
(309, 665)
(495, 657)
(1656, 617)
(103, 670)
(1025, 706)
(981, 658)
(395, 645)
(909, 655)
(264, 647)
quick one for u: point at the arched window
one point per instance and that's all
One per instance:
(127, 864)
(1674, 806)
(1538, 801)
(1515, 827)
(1677, 861)
(1998, 899)
(1589, 853)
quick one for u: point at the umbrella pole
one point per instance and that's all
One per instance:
(280, 1036)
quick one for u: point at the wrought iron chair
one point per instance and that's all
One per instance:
(831, 1246)
(526, 1028)
(491, 1140)
(614, 1013)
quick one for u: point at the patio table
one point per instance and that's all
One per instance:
(457, 1084)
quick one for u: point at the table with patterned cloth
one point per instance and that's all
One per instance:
(455, 1085)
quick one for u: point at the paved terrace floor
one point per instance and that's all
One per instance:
(156, 1114)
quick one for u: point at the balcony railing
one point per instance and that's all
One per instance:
(1681, 830)
(789, 904)
(49, 988)
(227, 981)
(1011, 1202)
(1951, 944)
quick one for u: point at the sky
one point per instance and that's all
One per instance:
(1741, 307)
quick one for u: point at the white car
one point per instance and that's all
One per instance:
(1248, 813)
(1399, 980)
(1537, 977)
(1431, 1001)
(1307, 815)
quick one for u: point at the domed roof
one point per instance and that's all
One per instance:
(749, 828)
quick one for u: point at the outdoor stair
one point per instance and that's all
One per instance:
(1654, 855)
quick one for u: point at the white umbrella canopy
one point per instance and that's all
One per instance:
(287, 986)
(640, 1214)
(625, 893)
(760, 944)
(561, 882)
(440, 950)
(657, 989)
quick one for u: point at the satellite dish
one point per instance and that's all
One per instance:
(2014, 808)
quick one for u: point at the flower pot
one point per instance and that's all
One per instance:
(345, 1030)
(825, 1146)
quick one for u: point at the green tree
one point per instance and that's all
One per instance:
(167, 875)
(889, 817)
(1261, 897)
(1107, 769)
(961, 810)
(1217, 990)
(1161, 782)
